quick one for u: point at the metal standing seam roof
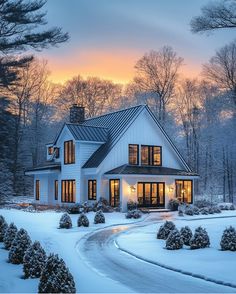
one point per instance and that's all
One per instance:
(117, 122)
(148, 170)
(48, 165)
(88, 133)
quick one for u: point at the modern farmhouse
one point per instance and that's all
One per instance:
(121, 155)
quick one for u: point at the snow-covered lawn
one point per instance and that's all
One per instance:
(44, 228)
(210, 262)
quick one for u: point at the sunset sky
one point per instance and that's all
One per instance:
(107, 37)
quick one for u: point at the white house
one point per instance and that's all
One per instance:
(121, 155)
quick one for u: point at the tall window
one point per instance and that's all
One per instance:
(92, 189)
(115, 193)
(151, 155)
(56, 189)
(37, 189)
(133, 154)
(184, 190)
(69, 152)
(68, 191)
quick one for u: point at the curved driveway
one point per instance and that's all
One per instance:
(99, 252)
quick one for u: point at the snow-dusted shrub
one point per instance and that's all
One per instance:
(65, 221)
(202, 203)
(103, 205)
(186, 235)
(216, 209)
(204, 210)
(99, 217)
(56, 277)
(165, 229)
(34, 261)
(19, 246)
(83, 221)
(3, 227)
(228, 239)
(133, 214)
(75, 209)
(180, 212)
(232, 207)
(200, 239)
(174, 240)
(196, 210)
(211, 210)
(189, 210)
(173, 204)
(132, 205)
(9, 236)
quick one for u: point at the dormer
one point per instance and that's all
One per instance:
(53, 152)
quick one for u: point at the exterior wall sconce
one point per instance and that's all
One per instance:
(132, 188)
(171, 189)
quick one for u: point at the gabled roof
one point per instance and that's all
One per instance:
(148, 170)
(117, 122)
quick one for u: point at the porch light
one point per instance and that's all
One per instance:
(171, 189)
(132, 188)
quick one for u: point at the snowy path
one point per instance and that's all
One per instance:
(98, 250)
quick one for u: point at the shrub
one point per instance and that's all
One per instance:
(132, 205)
(65, 221)
(9, 236)
(83, 221)
(103, 205)
(180, 213)
(186, 235)
(232, 207)
(211, 210)
(56, 277)
(75, 209)
(165, 229)
(216, 209)
(99, 217)
(174, 240)
(204, 210)
(3, 227)
(189, 210)
(196, 210)
(200, 239)
(228, 239)
(202, 203)
(173, 204)
(34, 261)
(19, 246)
(133, 214)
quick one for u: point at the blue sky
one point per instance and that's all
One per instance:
(107, 37)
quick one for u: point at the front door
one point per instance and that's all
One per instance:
(114, 190)
(184, 190)
(151, 194)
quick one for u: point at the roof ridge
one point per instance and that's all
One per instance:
(116, 111)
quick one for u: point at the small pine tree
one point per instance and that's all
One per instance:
(3, 227)
(228, 239)
(200, 239)
(65, 222)
(186, 235)
(174, 240)
(19, 246)
(99, 218)
(56, 277)
(9, 236)
(34, 261)
(83, 221)
(165, 229)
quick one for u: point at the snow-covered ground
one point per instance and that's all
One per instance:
(44, 228)
(210, 262)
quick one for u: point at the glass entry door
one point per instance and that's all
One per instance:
(114, 187)
(151, 194)
(184, 190)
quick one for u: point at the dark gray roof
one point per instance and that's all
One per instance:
(117, 122)
(88, 133)
(148, 170)
(48, 165)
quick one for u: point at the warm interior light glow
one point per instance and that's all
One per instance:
(132, 188)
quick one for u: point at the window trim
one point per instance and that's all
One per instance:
(70, 157)
(56, 190)
(94, 189)
(66, 183)
(151, 163)
(184, 180)
(37, 190)
(137, 145)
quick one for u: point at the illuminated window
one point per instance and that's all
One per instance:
(69, 152)
(68, 191)
(115, 193)
(133, 154)
(151, 155)
(151, 194)
(37, 189)
(92, 189)
(50, 150)
(56, 189)
(184, 191)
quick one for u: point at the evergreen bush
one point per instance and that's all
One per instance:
(186, 235)
(56, 277)
(19, 246)
(232, 207)
(174, 240)
(34, 261)
(189, 210)
(173, 204)
(83, 221)
(204, 210)
(9, 236)
(200, 239)
(99, 217)
(3, 227)
(133, 214)
(228, 239)
(165, 229)
(65, 221)
(216, 209)
(196, 210)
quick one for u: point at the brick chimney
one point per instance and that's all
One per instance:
(77, 114)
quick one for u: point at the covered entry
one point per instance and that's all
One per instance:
(151, 194)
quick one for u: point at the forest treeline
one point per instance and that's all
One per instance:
(198, 114)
